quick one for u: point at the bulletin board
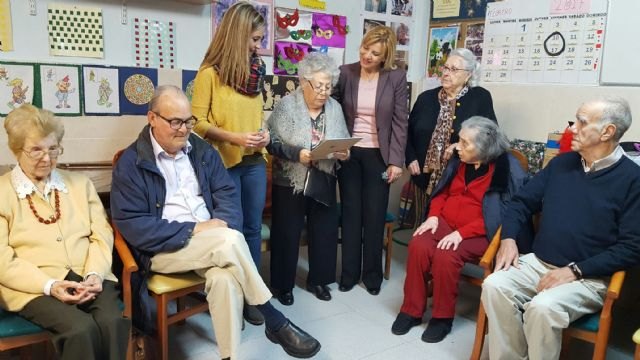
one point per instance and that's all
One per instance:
(546, 41)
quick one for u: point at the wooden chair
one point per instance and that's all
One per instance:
(19, 333)
(593, 328)
(164, 289)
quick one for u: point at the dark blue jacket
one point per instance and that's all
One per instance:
(508, 178)
(137, 199)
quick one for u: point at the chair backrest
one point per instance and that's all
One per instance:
(524, 162)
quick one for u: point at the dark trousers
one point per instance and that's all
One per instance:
(93, 330)
(289, 211)
(445, 267)
(364, 196)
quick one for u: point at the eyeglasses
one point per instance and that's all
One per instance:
(176, 124)
(320, 89)
(447, 69)
(37, 153)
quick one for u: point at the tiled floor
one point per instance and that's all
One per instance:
(356, 325)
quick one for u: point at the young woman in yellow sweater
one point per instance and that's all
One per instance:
(227, 102)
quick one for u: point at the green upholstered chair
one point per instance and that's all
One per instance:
(17, 332)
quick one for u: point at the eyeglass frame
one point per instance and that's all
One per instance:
(59, 151)
(171, 122)
(452, 70)
(320, 90)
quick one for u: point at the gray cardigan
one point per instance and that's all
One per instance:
(290, 128)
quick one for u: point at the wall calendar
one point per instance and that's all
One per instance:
(550, 41)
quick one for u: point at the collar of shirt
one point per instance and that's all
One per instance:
(605, 162)
(158, 151)
(24, 186)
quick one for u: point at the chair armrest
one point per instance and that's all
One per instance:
(129, 266)
(486, 261)
(615, 285)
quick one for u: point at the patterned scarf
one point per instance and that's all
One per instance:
(435, 162)
(256, 77)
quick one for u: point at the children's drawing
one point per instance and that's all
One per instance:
(16, 86)
(64, 89)
(293, 25)
(101, 93)
(62, 94)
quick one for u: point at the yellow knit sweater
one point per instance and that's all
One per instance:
(30, 253)
(215, 104)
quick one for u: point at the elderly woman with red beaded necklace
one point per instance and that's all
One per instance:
(56, 245)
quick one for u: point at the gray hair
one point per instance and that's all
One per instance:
(317, 62)
(470, 64)
(490, 140)
(616, 111)
(164, 90)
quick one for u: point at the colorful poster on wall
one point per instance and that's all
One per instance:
(101, 92)
(136, 89)
(275, 88)
(287, 55)
(60, 89)
(17, 82)
(75, 31)
(329, 30)
(293, 25)
(6, 36)
(154, 43)
(188, 77)
(264, 7)
(441, 42)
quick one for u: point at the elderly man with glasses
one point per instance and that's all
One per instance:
(175, 204)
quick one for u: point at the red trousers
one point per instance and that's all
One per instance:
(445, 267)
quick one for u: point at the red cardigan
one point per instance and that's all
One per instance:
(461, 205)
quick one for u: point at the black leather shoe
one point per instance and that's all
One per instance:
(295, 341)
(252, 315)
(345, 288)
(403, 323)
(373, 291)
(322, 292)
(285, 297)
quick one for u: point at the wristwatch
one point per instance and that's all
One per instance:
(575, 270)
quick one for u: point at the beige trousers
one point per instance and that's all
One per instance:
(222, 257)
(525, 324)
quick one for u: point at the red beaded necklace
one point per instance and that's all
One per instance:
(52, 219)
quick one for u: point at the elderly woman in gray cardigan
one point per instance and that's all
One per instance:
(299, 122)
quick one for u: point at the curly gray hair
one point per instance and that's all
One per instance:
(316, 62)
(470, 64)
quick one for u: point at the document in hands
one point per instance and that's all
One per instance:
(327, 147)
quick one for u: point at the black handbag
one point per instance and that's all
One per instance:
(320, 186)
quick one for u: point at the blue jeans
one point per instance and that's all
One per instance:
(251, 186)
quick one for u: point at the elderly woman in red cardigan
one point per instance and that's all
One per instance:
(465, 211)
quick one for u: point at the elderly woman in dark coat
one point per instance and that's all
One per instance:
(299, 122)
(436, 118)
(465, 211)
